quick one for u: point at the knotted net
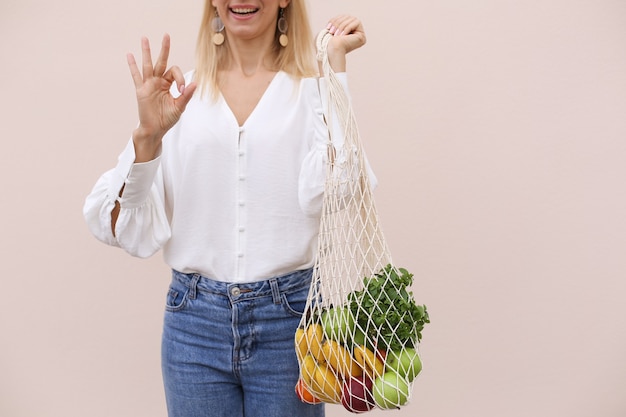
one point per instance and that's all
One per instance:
(357, 343)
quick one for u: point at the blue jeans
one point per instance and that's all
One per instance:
(228, 349)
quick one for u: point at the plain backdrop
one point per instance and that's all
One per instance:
(497, 129)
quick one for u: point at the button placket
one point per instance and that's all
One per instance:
(241, 206)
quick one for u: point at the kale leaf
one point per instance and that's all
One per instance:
(386, 310)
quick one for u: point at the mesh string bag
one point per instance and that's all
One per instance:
(357, 343)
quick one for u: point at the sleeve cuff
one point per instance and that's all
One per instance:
(343, 79)
(139, 183)
(337, 131)
(136, 178)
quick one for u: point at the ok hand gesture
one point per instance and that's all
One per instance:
(158, 109)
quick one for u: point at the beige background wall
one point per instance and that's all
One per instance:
(497, 129)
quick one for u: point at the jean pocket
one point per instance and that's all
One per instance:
(294, 303)
(176, 297)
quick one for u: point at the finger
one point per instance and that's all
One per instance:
(344, 25)
(187, 94)
(348, 26)
(175, 74)
(146, 58)
(336, 23)
(161, 63)
(134, 71)
(178, 77)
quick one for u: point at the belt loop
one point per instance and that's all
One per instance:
(193, 286)
(275, 290)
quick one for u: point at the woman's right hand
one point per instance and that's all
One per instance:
(158, 109)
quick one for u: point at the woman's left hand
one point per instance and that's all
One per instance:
(348, 35)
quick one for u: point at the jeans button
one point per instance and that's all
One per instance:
(235, 291)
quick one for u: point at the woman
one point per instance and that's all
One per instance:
(228, 181)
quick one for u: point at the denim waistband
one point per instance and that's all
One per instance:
(273, 287)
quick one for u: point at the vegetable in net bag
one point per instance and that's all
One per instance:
(357, 343)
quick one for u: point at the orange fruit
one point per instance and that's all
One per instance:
(304, 394)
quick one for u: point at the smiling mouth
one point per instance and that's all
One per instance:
(243, 11)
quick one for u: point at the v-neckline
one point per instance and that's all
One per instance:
(256, 106)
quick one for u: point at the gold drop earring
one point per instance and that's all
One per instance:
(282, 28)
(218, 27)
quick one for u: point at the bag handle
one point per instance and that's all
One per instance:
(338, 101)
(339, 106)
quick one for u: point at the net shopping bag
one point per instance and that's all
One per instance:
(357, 343)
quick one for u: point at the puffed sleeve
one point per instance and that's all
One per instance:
(142, 227)
(315, 167)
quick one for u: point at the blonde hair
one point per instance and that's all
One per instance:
(296, 59)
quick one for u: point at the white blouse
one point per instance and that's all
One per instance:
(233, 203)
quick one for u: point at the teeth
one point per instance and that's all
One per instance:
(244, 11)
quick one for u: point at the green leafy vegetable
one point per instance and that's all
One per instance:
(386, 310)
